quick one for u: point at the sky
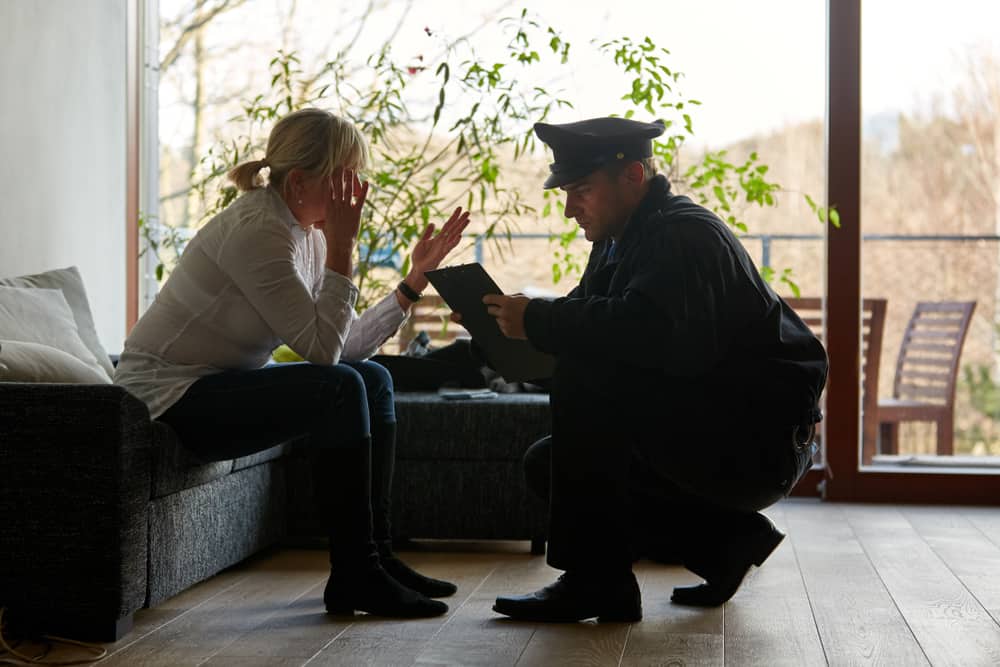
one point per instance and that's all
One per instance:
(755, 66)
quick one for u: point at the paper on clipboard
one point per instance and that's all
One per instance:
(463, 288)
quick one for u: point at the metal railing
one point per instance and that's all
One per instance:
(767, 239)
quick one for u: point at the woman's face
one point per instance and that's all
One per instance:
(309, 197)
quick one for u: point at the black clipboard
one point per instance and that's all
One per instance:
(463, 288)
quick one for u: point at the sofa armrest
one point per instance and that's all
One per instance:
(74, 495)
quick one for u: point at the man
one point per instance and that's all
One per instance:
(685, 392)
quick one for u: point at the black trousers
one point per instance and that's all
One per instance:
(627, 464)
(347, 412)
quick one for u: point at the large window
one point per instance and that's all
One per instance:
(760, 86)
(931, 219)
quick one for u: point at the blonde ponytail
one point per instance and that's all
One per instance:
(247, 176)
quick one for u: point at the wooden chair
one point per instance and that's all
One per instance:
(810, 309)
(926, 373)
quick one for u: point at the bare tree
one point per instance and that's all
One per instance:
(189, 24)
(977, 104)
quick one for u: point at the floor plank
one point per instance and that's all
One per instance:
(856, 617)
(971, 556)
(769, 621)
(670, 634)
(374, 641)
(475, 634)
(851, 585)
(198, 635)
(950, 625)
(586, 644)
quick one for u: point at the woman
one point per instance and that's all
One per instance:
(275, 267)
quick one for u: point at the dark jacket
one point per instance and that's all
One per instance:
(681, 304)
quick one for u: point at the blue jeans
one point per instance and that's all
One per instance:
(345, 412)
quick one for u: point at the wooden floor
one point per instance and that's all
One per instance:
(853, 584)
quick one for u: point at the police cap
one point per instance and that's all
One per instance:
(585, 146)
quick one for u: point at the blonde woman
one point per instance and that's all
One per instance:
(275, 267)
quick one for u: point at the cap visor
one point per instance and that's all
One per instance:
(567, 177)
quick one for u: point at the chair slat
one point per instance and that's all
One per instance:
(949, 335)
(926, 361)
(942, 307)
(928, 377)
(922, 391)
(928, 347)
(940, 322)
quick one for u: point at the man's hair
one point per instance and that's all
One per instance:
(616, 167)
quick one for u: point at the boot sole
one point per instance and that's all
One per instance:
(350, 610)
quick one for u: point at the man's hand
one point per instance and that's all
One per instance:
(509, 311)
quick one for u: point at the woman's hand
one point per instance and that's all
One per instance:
(343, 210)
(342, 218)
(431, 250)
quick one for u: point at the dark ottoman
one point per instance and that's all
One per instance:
(458, 467)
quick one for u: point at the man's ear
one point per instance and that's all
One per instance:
(635, 173)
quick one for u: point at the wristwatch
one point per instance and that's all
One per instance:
(407, 291)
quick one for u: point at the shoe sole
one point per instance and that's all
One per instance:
(767, 549)
(617, 617)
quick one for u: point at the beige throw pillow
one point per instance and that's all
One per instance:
(34, 362)
(35, 315)
(69, 281)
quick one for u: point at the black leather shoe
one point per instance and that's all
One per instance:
(724, 572)
(574, 597)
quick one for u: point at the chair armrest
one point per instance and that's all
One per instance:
(74, 496)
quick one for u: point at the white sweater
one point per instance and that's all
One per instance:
(251, 279)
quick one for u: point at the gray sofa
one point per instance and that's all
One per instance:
(102, 512)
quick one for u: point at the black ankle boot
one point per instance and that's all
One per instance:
(375, 591)
(407, 576)
(383, 458)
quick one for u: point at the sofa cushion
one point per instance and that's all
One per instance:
(34, 362)
(174, 468)
(70, 282)
(497, 429)
(42, 316)
(275, 452)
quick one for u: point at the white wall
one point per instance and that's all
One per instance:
(62, 147)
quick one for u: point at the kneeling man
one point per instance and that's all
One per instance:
(685, 393)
